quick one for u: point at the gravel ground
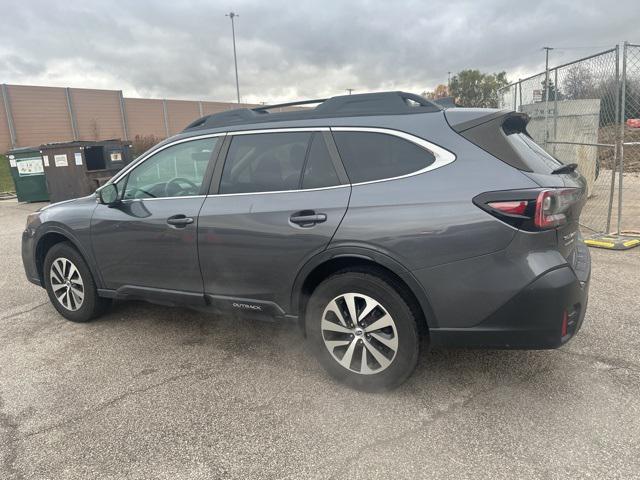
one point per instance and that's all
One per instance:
(153, 392)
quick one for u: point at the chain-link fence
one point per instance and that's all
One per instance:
(630, 134)
(588, 112)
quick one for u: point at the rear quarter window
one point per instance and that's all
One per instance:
(369, 156)
(505, 137)
(531, 154)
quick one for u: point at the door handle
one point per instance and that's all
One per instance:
(307, 218)
(179, 221)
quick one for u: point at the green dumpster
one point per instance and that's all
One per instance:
(27, 171)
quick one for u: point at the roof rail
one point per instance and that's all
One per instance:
(383, 103)
(290, 104)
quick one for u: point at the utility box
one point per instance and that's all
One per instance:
(27, 171)
(77, 169)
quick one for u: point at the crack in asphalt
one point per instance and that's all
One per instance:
(109, 403)
(464, 401)
(457, 404)
(616, 363)
(22, 312)
(8, 424)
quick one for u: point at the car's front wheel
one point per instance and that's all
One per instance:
(362, 330)
(70, 285)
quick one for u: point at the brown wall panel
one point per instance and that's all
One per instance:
(5, 136)
(181, 113)
(97, 114)
(40, 115)
(210, 108)
(144, 117)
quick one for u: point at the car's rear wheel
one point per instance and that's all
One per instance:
(362, 330)
(70, 285)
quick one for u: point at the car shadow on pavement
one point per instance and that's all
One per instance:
(281, 345)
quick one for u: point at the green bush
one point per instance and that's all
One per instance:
(6, 183)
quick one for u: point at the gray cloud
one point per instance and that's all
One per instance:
(294, 49)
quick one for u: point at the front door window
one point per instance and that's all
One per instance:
(177, 171)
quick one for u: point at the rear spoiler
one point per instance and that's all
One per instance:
(465, 119)
(489, 132)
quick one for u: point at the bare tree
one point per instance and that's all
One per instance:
(579, 83)
(95, 129)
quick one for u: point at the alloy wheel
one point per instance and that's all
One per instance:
(66, 283)
(359, 333)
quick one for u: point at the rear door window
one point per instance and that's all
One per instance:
(369, 156)
(319, 171)
(264, 162)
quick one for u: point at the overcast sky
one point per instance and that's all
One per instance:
(292, 50)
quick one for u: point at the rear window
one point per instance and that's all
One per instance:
(532, 154)
(371, 156)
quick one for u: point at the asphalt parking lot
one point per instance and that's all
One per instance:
(153, 392)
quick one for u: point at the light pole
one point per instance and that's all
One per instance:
(233, 15)
(349, 90)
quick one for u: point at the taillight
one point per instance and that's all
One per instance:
(552, 206)
(535, 209)
(513, 208)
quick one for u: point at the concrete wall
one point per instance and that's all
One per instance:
(44, 115)
(573, 121)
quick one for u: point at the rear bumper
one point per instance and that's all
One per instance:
(532, 319)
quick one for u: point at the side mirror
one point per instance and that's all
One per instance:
(108, 194)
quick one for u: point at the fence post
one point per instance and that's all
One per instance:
(623, 105)
(165, 114)
(616, 142)
(555, 111)
(520, 90)
(123, 115)
(72, 114)
(7, 111)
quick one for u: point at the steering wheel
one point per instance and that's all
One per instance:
(175, 187)
(135, 192)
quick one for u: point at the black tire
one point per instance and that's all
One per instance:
(387, 293)
(91, 305)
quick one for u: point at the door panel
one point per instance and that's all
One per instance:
(250, 248)
(150, 238)
(134, 244)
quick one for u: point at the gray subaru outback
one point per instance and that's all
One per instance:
(373, 221)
